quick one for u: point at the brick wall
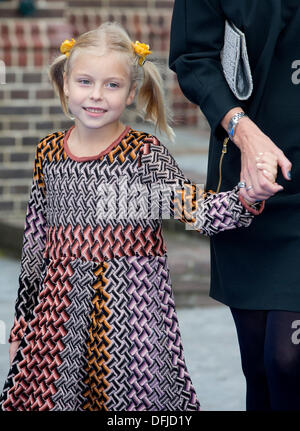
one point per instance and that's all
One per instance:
(30, 110)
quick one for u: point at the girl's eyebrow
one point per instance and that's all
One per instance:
(83, 73)
(120, 78)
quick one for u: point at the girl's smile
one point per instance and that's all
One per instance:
(95, 112)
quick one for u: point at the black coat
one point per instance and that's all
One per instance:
(251, 267)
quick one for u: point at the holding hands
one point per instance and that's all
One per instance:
(266, 165)
(260, 158)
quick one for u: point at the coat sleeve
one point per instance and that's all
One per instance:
(34, 239)
(172, 195)
(197, 38)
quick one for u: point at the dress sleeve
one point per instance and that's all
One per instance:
(34, 239)
(172, 195)
(197, 38)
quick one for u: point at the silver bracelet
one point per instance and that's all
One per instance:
(233, 123)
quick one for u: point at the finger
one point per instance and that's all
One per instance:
(267, 167)
(252, 179)
(249, 195)
(267, 155)
(273, 180)
(268, 160)
(285, 165)
(269, 176)
(266, 183)
(262, 188)
(246, 196)
(266, 189)
(269, 186)
(244, 176)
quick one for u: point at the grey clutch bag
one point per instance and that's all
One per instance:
(235, 62)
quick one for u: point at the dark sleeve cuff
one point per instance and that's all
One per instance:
(216, 105)
(214, 102)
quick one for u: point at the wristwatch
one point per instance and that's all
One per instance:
(233, 122)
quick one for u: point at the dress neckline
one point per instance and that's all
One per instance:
(97, 156)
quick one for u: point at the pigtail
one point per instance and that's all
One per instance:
(151, 100)
(55, 73)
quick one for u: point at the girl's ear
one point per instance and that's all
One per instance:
(131, 94)
(66, 90)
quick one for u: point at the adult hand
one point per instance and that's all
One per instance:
(252, 141)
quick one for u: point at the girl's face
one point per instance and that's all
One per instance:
(99, 82)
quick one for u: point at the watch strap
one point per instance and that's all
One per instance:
(233, 123)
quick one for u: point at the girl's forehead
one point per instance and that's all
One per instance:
(101, 63)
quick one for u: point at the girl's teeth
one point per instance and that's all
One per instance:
(94, 110)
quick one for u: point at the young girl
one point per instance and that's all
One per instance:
(95, 322)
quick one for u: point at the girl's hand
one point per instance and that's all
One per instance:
(13, 347)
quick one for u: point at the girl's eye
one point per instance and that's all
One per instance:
(113, 85)
(82, 81)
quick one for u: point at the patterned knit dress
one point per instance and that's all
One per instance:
(95, 312)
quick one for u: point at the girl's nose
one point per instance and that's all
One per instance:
(96, 93)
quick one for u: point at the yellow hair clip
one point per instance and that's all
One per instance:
(142, 50)
(66, 46)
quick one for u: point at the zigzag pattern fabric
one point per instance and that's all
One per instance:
(95, 315)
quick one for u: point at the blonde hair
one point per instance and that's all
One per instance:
(111, 36)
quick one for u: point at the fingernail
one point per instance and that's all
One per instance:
(289, 175)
